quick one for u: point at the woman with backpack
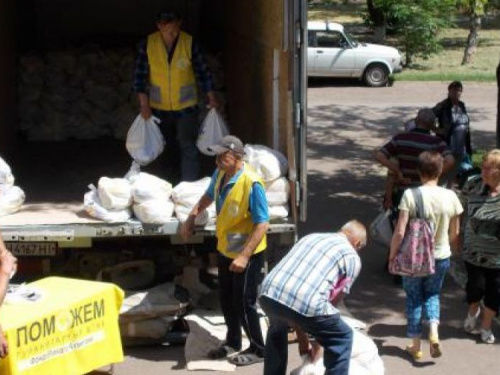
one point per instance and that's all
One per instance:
(440, 208)
(453, 127)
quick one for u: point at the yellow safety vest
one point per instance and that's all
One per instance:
(172, 85)
(234, 222)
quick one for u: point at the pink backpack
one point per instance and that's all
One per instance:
(416, 254)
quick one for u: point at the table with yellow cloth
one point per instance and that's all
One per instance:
(71, 329)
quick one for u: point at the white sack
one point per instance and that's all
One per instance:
(276, 199)
(93, 206)
(268, 163)
(278, 212)
(189, 193)
(11, 199)
(154, 211)
(114, 193)
(280, 185)
(147, 187)
(6, 177)
(145, 141)
(212, 130)
(182, 213)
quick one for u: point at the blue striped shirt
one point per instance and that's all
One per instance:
(305, 277)
(141, 73)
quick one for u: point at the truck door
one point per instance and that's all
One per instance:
(300, 103)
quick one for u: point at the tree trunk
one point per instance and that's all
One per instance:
(377, 16)
(498, 106)
(470, 48)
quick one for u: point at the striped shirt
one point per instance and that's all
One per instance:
(481, 249)
(407, 146)
(304, 279)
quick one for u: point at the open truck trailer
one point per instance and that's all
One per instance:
(260, 45)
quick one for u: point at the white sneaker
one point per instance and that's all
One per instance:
(470, 323)
(487, 336)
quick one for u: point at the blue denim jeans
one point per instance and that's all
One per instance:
(422, 298)
(329, 330)
(181, 134)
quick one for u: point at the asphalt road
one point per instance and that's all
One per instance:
(346, 122)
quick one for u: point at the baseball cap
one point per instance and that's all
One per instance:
(228, 143)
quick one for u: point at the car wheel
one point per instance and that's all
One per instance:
(376, 75)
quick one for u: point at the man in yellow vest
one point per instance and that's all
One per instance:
(242, 222)
(168, 66)
(8, 266)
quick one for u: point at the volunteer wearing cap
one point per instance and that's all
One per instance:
(242, 222)
(167, 66)
(8, 266)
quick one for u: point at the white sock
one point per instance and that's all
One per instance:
(434, 329)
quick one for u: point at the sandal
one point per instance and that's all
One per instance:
(221, 352)
(416, 354)
(246, 358)
(435, 347)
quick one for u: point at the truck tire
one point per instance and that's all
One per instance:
(376, 75)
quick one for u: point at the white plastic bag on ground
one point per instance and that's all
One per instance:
(11, 199)
(154, 211)
(146, 187)
(212, 131)
(6, 176)
(114, 193)
(93, 206)
(145, 141)
(268, 163)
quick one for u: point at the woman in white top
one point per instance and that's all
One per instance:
(442, 208)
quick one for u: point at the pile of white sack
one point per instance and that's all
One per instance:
(146, 195)
(272, 166)
(186, 195)
(11, 197)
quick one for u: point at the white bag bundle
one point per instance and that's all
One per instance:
(145, 141)
(11, 199)
(381, 228)
(189, 193)
(115, 193)
(6, 176)
(212, 131)
(182, 212)
(278, 212)
(154, 211)
(146, 187)
(93, 206)
(280, 185)
(268, 163)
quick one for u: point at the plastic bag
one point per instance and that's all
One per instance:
(145, 141)
(268, 163)
(11, 199)
(154, 211)
(93, 206)
(115, 193)
(212, 131)
(147, 187)
(6, 176)
(381, 228)
(309, 368)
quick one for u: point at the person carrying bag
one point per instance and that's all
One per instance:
(428, 223)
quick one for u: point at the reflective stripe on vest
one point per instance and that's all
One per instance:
(172, 85)
(234, 222)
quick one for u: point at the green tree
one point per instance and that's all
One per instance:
(417, 23)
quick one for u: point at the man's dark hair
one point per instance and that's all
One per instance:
(430, 164)
(167, 16)
(455, 85)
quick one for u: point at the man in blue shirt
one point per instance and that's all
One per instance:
(242, 222)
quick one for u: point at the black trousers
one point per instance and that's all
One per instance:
(238, 300)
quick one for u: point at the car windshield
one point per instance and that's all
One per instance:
(351, 40)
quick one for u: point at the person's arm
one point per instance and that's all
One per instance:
(448, 162)
(389, 189)
(141, 74)
(187, 227)
(260, 217)
(399, 233)
(393, 167)
(203, 75)
(454, 233)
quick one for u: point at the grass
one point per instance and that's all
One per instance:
(443, 66)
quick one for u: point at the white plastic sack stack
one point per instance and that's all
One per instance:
(11, 199)
(6, 176)
(186, 194)
(93, 206)
(278, 194)
(145, 141)
(146, 187)
(114, 193)
(154, 211)
(268, 163)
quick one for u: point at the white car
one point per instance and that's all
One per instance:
(332, 52)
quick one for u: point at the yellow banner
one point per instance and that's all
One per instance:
(71, 329)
